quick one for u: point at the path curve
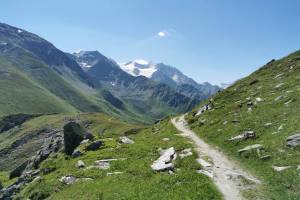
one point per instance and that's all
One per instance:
(225, 172)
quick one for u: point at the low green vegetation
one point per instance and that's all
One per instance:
(136, 181)
(267, 103)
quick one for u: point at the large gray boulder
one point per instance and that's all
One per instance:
(293, 140)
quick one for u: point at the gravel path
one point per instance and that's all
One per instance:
(225, 173)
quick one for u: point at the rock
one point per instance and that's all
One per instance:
(94, 145)
(203, 163)
(280, 128)
(88, 136)
(294, 140)
(126, 140)
(250, 148)
(114, 173)
(278, 98)
(185, 153)
(37, 179)
(279, 169)
(76, 153)
(80, 164)
(203, 109)
(68, 180)
(279, 85)
(258, 99)
(85, 141)
(73, 135)
(164, 162)
(268, 124)
(298, 168)
(166, 139)
(244, 136)
(208, 173)
(288, 102)
(266, 157)
(102, 165)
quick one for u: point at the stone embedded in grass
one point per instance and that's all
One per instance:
(68, 180)
(279, 169)
(76, 153)
(208, 173)
(94, 145)
(80, 164)
(185, 153)
(268, 124)
(279, 85)
(73, 135)
(88, 136)
(256, 147)
(166, 139)
(85, 141)
(258, 99)
(164, 162)
(114, 173)
(126, 140)
(293, 140)
(203, 163)
(244, 136)
(266, 157)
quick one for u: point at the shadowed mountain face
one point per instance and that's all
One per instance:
(36, 77)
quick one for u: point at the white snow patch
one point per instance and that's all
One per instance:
(139, 68)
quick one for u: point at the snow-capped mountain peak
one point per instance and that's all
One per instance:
(139, 67)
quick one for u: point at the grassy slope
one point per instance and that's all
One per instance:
(20, 94)
(138, 180)
(231, 104)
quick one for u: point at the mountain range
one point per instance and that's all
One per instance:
(36, 77)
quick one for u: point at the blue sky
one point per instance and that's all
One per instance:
(212, 40)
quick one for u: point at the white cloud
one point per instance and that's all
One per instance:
(162, 34)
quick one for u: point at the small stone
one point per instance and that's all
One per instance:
(126, 140)
(266, 157)
(203, 162)
(68, 180)
(208, 173)
(76, 153)
(279, 85)
(293, 141)
(164, 162)
(280, 128)
(185, 153)
(245, 135)
(251, 147)
(85, 141)
(258, 99)
(279, 169)
(268, 124)
(114, 173)
(166, 139)
(94, 145)
(80, 164)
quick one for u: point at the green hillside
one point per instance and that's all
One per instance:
(136, 179)
(267, 103)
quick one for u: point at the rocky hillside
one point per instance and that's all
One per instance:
(104, 159)
(256, 122)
